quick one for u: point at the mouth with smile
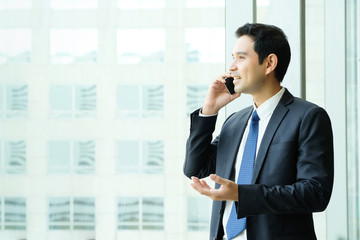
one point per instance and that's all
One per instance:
(236, 79)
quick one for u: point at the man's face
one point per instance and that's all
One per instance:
(249, 75)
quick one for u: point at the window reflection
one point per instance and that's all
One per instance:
(71, 157)
(71, 213)
(136, 157)
(195, 96)
(13, 214)
(198, 213)
(73, 46)
(140, 213)
(140, 46)
(205, 45)
(13, 101)
(140, 101)
(15, 45)
(74, 101)
(12, 157)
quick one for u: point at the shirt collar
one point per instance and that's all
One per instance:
(268, 107)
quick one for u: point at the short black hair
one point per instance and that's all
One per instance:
(268, 39)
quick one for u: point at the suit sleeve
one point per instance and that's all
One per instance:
(312, 187)
(200, 149)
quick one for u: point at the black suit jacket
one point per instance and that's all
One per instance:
(293, 172)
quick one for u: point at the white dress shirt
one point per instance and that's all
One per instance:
(264, 112)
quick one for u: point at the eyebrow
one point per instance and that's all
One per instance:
(239, 53)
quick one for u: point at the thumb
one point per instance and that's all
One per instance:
(218, 179)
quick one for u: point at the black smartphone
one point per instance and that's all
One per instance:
(230, 85)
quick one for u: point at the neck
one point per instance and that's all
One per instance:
(266, 93)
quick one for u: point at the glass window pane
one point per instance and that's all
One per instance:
(128, 213)
(198, 214)
(16, 101)
(61, 101)
(205, 45)
(153, 157)
(84, 214)
(59, 156)
(73, 4)
(84, 156)
(15, 45)
(153, 213)
(2, 101)
(59, 213)
(195, 96)
(73, 46)
(15, 214)
(15, 4)
(15, 157)
(153, 101)
(204, 3)
(128, 156)
(85, 101)
(138, 4)
(128, 101)
(133, 47)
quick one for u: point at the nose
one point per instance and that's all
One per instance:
(233, 66)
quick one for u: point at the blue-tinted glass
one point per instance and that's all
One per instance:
(128, 156)
(133, 47)
(153, 157)
(15, 214)
(15, 157)
(198, 213)
(153, 101)
(128, 100)
(128, 213)
(73, 46)
(59, 213)
(84, 156)
(153, 213)
(85, 98)
(84, 213)
(15, 45)
(61, 98)
(205, 45)
(195, 96)
(59, 156)
(16, 101)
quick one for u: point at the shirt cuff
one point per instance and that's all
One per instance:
(202, 115)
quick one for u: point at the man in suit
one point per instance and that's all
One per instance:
(289, 154)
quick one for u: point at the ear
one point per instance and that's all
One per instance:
(271, 63)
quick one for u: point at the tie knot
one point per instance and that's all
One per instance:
(255, 117)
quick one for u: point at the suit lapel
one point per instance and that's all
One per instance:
(237, 131)
(276, 119)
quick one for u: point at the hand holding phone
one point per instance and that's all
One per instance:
(230, 85)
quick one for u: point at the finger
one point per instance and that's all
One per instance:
(235, 95)
(204, 183)
(218, 179)
(199, 188)
(221, 78)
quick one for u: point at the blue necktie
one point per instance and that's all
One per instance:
(235, 226)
